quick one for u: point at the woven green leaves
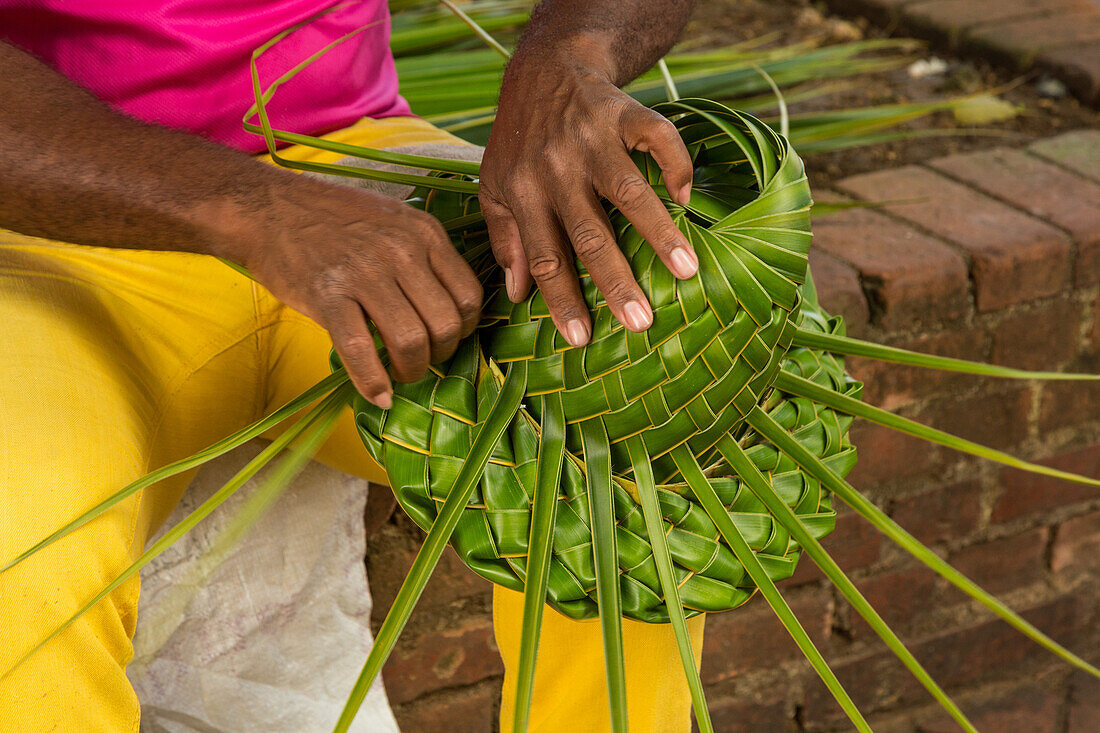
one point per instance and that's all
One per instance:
(715, 346)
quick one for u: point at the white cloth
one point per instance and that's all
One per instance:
(272, 638)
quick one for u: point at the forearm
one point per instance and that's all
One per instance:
(618, 38)
(76, 171)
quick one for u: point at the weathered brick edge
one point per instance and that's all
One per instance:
(995, 257)
(1059, 36)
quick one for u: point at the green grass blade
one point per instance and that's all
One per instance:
(445, 165)
(601, 507)
(544, 510)
(647, 493)
(855, 347)
(781, 439)
(326, 385)
(489, 434)
(477, 29)
(762, 488)
(265, 128)
(323, 415)
(670, 83)
(800, 387)
(708, 499)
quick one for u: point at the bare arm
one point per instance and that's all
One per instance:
(74, 170)
(561, 141)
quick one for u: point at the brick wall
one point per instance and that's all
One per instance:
(995, 256)
(1060, 37)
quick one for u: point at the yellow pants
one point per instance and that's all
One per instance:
(115, 362)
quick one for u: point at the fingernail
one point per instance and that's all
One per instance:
(576, 332)
(684, 262)
(383, 400)
(638, 317)
(685, 194)
(510, 284)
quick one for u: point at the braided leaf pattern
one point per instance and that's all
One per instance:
(716, 344)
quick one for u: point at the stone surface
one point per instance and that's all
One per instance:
(1078, 150)
(1042, 189)
(1015, 258)
(909, 278)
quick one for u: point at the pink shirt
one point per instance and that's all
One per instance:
(185, 63)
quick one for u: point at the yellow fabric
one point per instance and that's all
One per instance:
(115, 362)
(570, 691)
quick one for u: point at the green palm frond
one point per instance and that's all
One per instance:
(652, 476)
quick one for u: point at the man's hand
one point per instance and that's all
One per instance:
(76, 171)
(343, 256)
(561, 140)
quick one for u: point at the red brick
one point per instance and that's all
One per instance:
(1003, 564)
(390, 553)
(984, 652)
(838, 290)
(1040, 338)
(890, 386)
(455, 657)
(1078, 150)
(1077, 545)
(1043, 190)
(751, 638)
(887, 456)
(853, 544)
(467, 710)
(1031, 707)
(899, 596)
(1084, 704)
(909, 277)
(994, 419)
(1014, 258)
(737, 713)
(1068, 404)
(1027, 493)
(380, 506)
(1078, 66)
(940, 514)
(1022, 40)
(1094, 332)
(994, 650)
(951, 18)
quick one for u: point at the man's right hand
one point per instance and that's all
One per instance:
(76, 171)
(342, 256)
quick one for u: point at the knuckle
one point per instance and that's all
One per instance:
(469, 303)
(359, 348)
(409, 343)
(619, 291)
(667, 239)
(665, 131)
(547, 264)
(630, 191)
(587, 238)
(447, 329)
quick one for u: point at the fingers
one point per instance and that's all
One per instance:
(402, 331)
(507, 247)
(437, 311)
(461, 284)
(643, 129)
(594, 242)
(621, 183)
(347, 325)
(551, 266)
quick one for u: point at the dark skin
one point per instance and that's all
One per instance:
(73, 170)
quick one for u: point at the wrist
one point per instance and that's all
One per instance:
(579, 52)
(235, 225)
